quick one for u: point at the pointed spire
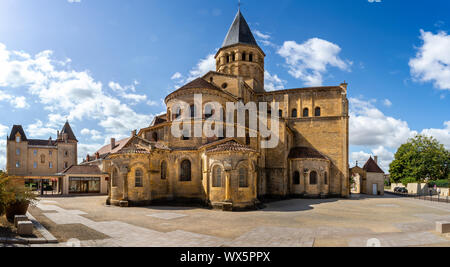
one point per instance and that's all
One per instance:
(68, 130)
(239, 32)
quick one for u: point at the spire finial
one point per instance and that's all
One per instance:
(239, 5)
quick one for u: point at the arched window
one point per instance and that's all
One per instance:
(228, 58)
(138, 178)
(155, 136)
(317, 112)
(294, 113)
(233, 57)
(247, 139)
(313, 178)
(325, 178)
(163, 170)
(296, 178)
(185, 171)
(250, 57)
(306, 112)
(280, 113)
(217, 177)
(42, 158)
(18, 152)
(18, 139)
(243, 179)
(114, 178)
(244, 56)
(192, 109)
(208, 111)
(186, 135)
(177, 112)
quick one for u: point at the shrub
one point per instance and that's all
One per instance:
(12, 193)
(408, 180)
(439, 183)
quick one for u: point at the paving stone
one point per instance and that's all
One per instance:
(167, 216)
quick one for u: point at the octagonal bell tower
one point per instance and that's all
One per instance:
(241, 56)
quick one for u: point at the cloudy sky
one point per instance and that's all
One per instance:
(106, 65)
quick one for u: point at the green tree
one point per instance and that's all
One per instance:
(421, 157)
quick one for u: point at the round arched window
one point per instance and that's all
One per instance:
(217, 177)
(313, 178)
(185, 171)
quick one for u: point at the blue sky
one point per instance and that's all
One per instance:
(106, 65)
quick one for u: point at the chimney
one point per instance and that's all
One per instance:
(376, 159)
(65, 137)
(57, 135)
(97, 155)
(113, 143)
(88, 158)
(133, 133)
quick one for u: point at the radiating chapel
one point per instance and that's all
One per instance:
(311, 159)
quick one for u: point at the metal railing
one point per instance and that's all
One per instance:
(429, 197)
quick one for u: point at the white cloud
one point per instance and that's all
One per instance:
(74, 1)
(310, 60)
(442, 135)
(71, 94)
(15, 101)
(432, 61)
(176, 76)
(370, 127)
(203, 66)
(383, 135)
(94, 134)
(387, 103)
(262, 35)
(273, 82)
(264, 38)
(38, 130)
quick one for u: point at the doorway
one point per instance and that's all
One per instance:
(375, 190)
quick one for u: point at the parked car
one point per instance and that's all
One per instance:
(396, 189)
(403, 190)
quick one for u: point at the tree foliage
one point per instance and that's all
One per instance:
(420, 158)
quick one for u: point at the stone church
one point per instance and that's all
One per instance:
(310, 160)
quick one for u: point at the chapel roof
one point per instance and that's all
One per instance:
(372, 166)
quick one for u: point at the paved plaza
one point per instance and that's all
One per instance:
(389, 220)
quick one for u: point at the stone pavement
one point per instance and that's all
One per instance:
(392, 221)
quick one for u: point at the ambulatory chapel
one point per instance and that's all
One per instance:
(227, 172)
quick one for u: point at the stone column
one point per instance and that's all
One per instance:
(124, 174)
(228, 186)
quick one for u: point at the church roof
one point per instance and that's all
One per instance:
(83, 170)
(239, 32)
(230, 146)
(305, 153)
(68, 130)
(17, 129)
(372, 166)
(199, 83)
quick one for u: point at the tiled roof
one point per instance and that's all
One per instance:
(372, 166)
(230, 146)
(159, 119)
(199, 83)
(83, 170)
(35, 142)
(107, 149)
(17, 129)
(305, 153)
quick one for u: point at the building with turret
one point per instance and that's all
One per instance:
(33, 159)
(310, 160)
